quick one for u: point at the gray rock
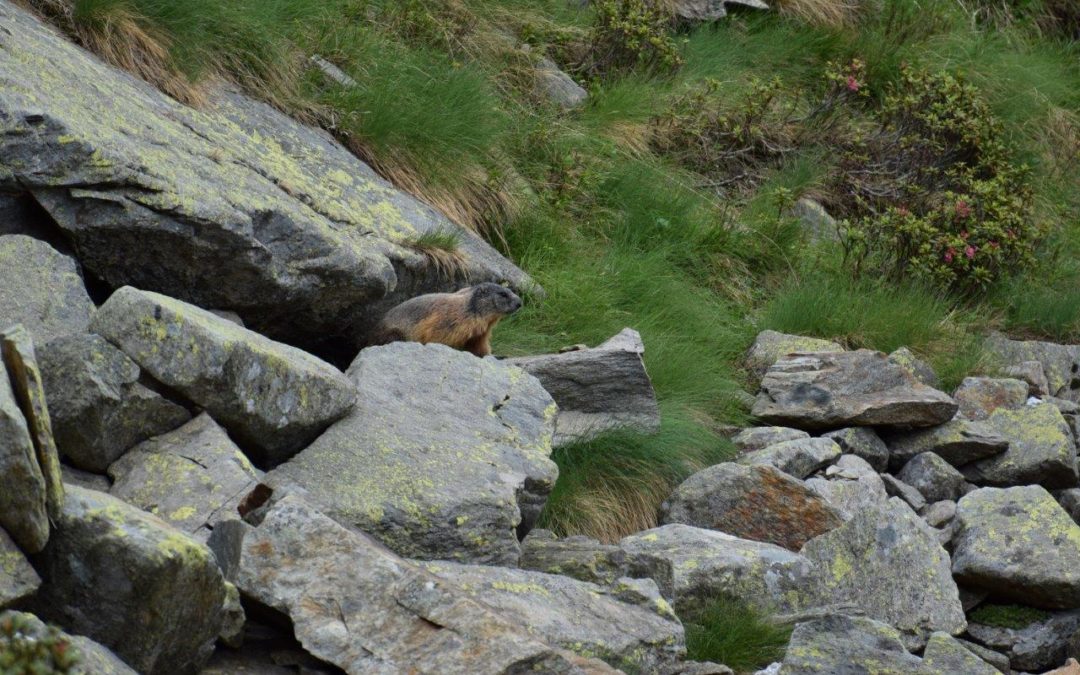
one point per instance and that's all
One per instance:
(233, 205)
(945, 655)
(862, 442)
(934, 478)
(332, 72)
(760, 503)
(860, 388)
(710, 10)
(958, 442)
(895, 487)
(189, 477)
(770, 345)
(559, 87)
(577, 557)
(358, 606)
(798, 458)
(577, 615)
(226, 541)
(1040, 645)
(444, 456)
(1070, 501)
(980, 396)
(759, 438)
(843, 645)
(889, 563)
(41, 288)
(22, 486)
(854, 487)
(128, 580)
(98, 407)
(597, 389)
(921, 370)
(26, 382)
(939, 513)
(92, 658)
(84, 479)
(999, 661)
(1031, 372)
(696, 668)
(1041, 450)
(814, 220)
(233, 618)
(1060, 363)
(18, 580)
(1018, 543)
(692, 565)
(270, 395)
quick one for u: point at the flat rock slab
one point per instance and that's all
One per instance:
(861, 388)
(598, 389)
(760, 503)
(444, 457)
(770, 345)
(130, 581)
(798, 458)
(273, 396)
(22, 485)
(837, 644)
(1041, 449)
(577, 557)
(1040, 645)
(575, 615)
(862, 442)
(188, 477)
(93, 658)
(958, 442)
(358, 606)
(979, 397)
(18, 579)
(99, 408)
(1018, 543)
(888, 562)
(232, 205)
(758, 438)
(41, 288)
(694, 565)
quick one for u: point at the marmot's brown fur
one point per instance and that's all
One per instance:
(462, 320)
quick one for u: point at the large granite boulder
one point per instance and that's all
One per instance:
(888, 562)
(598, 389)
(694, 566)
(40, 287)
(1043, 643)
(189, 477)
(979, 397)
(17, 578)
(958, 442)
(862, 442)
(132, 582)
(770, 345)
(760, 503)
(842, 645)
(99, 408)
(358, 606)
(577, 557)
(20, 632)
(1018, 543)
(1041, 449)
(233, 205)
(852, 487)
(275, 397)
(445, 456)
(798, 458)
(1060, 363)
(22, 485)
(637, 636)
(859, 388)
(934, 478)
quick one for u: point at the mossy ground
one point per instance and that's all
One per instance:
(1007, 616)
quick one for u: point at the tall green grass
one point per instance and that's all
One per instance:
(728, 632)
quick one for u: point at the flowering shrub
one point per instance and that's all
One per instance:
(27, 649)
(629, 34)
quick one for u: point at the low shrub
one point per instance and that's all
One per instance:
(629, 35)
(26, 650)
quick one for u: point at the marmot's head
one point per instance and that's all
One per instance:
(492, 299)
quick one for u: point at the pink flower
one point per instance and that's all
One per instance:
(962, 209)
(969, 251)
(852, 83)
(949, 255)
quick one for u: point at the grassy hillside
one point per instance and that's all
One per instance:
(944, 133)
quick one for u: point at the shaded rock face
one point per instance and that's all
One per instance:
(131, 582)
(98, 407)
(273, 396)
(751, 502)
(799, 458)
(445, 456)
(864, 443)
(1041, 449)
(233, 206)
(188, 477)
(598, 389)
(1036, 647)
(860, 388)
(40, 288)
(93, 658)
(22, 485)
(359, 607)
(979, 397)
(889, 563)
(692, 565)
(758, 438)
(834, 645)
(770, 345)
(17, 578)
(576, 615)
(1018, 543)
(934, 478)
(958, 442)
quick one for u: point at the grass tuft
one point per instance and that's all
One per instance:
(442, 248)
(725, 631)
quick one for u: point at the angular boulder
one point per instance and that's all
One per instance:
(1018, 543)
(799, 458)
(1031, 372)
(641, 636)
(770, 345)
(760, 503)
(41, 288)
(921, 370)
(693, 566)
(979, 397)
(130, 581)
(18, 579)
(98, 406)
(862, 442)
(758, 438)
(1041, 449)
(577, 557)
(358, 606)
(90, 657)
(888, 562)
(233, 205)
(558, 87)
(895, 487)
(958, 442)
(854, 487)
(597, 389)
(934, 478)
(838, 644)
(23, 510)
(1042, 644)
(945, 654)
(1060, 363)
(273, 396)
(859, 388)
(189, 477)
(445, 456)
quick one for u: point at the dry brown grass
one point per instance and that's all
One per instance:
(609, 513)
(441, 248)
(830, 13)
